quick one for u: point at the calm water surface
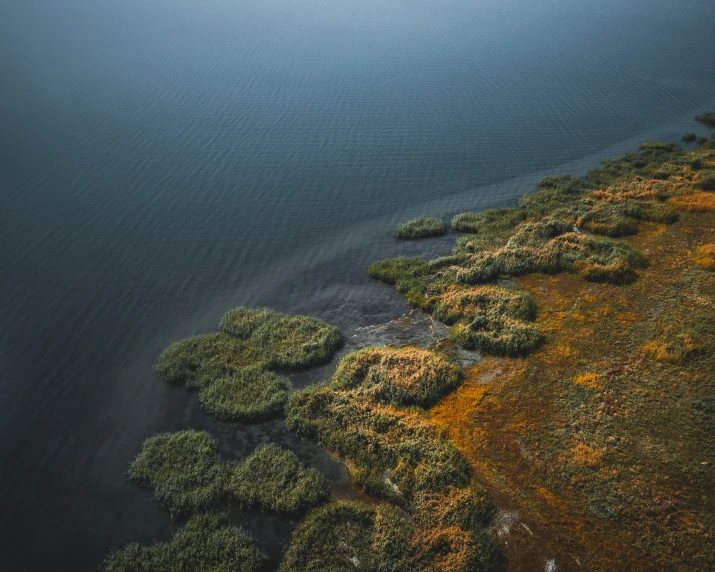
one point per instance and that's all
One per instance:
(163, 161)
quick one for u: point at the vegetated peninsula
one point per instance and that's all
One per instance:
(583, 437)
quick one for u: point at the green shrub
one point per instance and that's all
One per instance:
(421, 228)
(274, 480)
(204, 543)
(348, 536)
(183, 470)
(245, 396)
(707, 119)
(398, 376)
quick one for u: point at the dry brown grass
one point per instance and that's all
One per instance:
(696, 202)
(704, 257)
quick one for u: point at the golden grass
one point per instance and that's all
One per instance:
(704, 257)
(694, 202)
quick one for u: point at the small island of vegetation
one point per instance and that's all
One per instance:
(421, 228)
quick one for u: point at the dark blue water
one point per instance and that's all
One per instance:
(163, 161)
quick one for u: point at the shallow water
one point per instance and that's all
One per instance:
(164, 161)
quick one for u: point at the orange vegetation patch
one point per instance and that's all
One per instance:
(597, 439)
(704, 257)
(694, 202)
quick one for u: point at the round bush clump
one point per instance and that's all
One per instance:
(205, 544)
(421, 228)
(183, 470)
(245, 396)
(294, 342)
(402, 377)
(347, 536)
(273, 479)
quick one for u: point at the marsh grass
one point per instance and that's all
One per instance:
(689, 137)
(247, 395)
(187, 476)
(489, 222)
(274, 480)
(230, 367)
(348, 536)
(205, 543)
(421, 228)
(396, 455)
(704, 257)
(400, 377)
(183, 470)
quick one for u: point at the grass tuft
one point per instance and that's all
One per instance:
(188, 476)
(400, 377)
(230, 367)
(704, 257)
(274, 480)
(247, 395)
(204, 543)
(421, 228)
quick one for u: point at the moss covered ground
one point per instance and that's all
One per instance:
(232, 368)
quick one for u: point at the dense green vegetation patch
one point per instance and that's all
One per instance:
(295, 342)
(421, 228)
(183, 470)
(204, 543)
(188, 476)
(689, 137)
(400, 377)
(230, 367)
(348, 536)
(274, 480)
(490, 222)
(245, 396)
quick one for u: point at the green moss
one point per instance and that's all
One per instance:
(350, 536)
(273, 479)
(205, 544)
(245, 396)
(183, 470)
(421, 228)
(707, 119)
(400, 377)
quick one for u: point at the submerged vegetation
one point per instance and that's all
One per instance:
(230, 367)
(188, 476)
(706, 119)
(421, 228)
(205, 543)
